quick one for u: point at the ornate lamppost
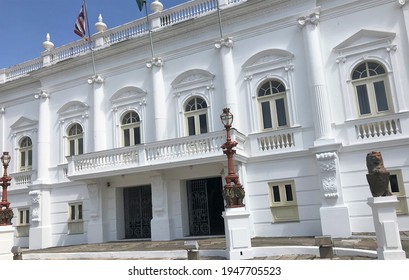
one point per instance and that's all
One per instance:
(6, 212)
(233, 192)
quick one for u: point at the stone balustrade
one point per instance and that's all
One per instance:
(183, 12)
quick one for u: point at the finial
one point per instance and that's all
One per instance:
(47, 44)
(100, 26)
(156, 6)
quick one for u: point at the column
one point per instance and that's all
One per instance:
(333, 208)
(318, 89)
(43, 142)
(95, 225)
(160, 226)
(225, 45)
(40, 229)
(99, 112)
(159, 97)
(405, 10)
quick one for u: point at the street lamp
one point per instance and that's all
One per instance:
(233, 192)
(6, 213)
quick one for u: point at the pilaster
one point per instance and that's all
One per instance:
(156, 64)
(95, 225)
(43, 159)
(318, 90)
(99, 123)
(225, 45)
(333, 208)
(40, 226)
(160, 225)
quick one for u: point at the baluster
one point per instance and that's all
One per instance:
(394, 127)
(377, 130)
(388, 127)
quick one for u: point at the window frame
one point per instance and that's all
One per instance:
(76, 218)
(272, 99)
(75, 139)
(283, 210)
(369, 82)
(196, 114)
(27, 151)
(402, 207)
(23, 222)
(131, 127)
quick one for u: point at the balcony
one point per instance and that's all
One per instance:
(203, 148)
(376, 129)
(276, 142)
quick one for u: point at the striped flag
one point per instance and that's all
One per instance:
(79, 28)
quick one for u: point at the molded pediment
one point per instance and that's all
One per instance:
(191, 77)
(128, 94)
(72, 107)
(364, 38)
(271, 56)
(23, 123)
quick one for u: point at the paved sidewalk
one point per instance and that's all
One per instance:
(359, 246)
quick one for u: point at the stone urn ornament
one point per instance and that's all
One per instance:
(378, 176)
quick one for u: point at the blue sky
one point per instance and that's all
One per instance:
(25, 23)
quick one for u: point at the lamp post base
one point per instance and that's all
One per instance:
(238, 240)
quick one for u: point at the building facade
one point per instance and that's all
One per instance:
(133, 150)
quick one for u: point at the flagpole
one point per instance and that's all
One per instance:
(149, 29)
(220, 19)
(89, 38)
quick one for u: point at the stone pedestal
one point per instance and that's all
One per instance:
(386, 227)
(6, 242)
(238, 241)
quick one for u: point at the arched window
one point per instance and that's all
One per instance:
(131, 129)
(196, 116)
(372, 90)
(26, 154)
(272, 102)
(75, 138)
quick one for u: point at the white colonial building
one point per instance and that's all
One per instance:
(134, 151)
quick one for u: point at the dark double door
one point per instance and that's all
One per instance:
(138, 212)
(205, 206)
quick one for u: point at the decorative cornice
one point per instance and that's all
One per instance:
(341, 59)
(391, 48)
(313, 19)
(248, 77)
(289, 67)
(155, 61)
(97, 79)
(224, 42)
(41, 94)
